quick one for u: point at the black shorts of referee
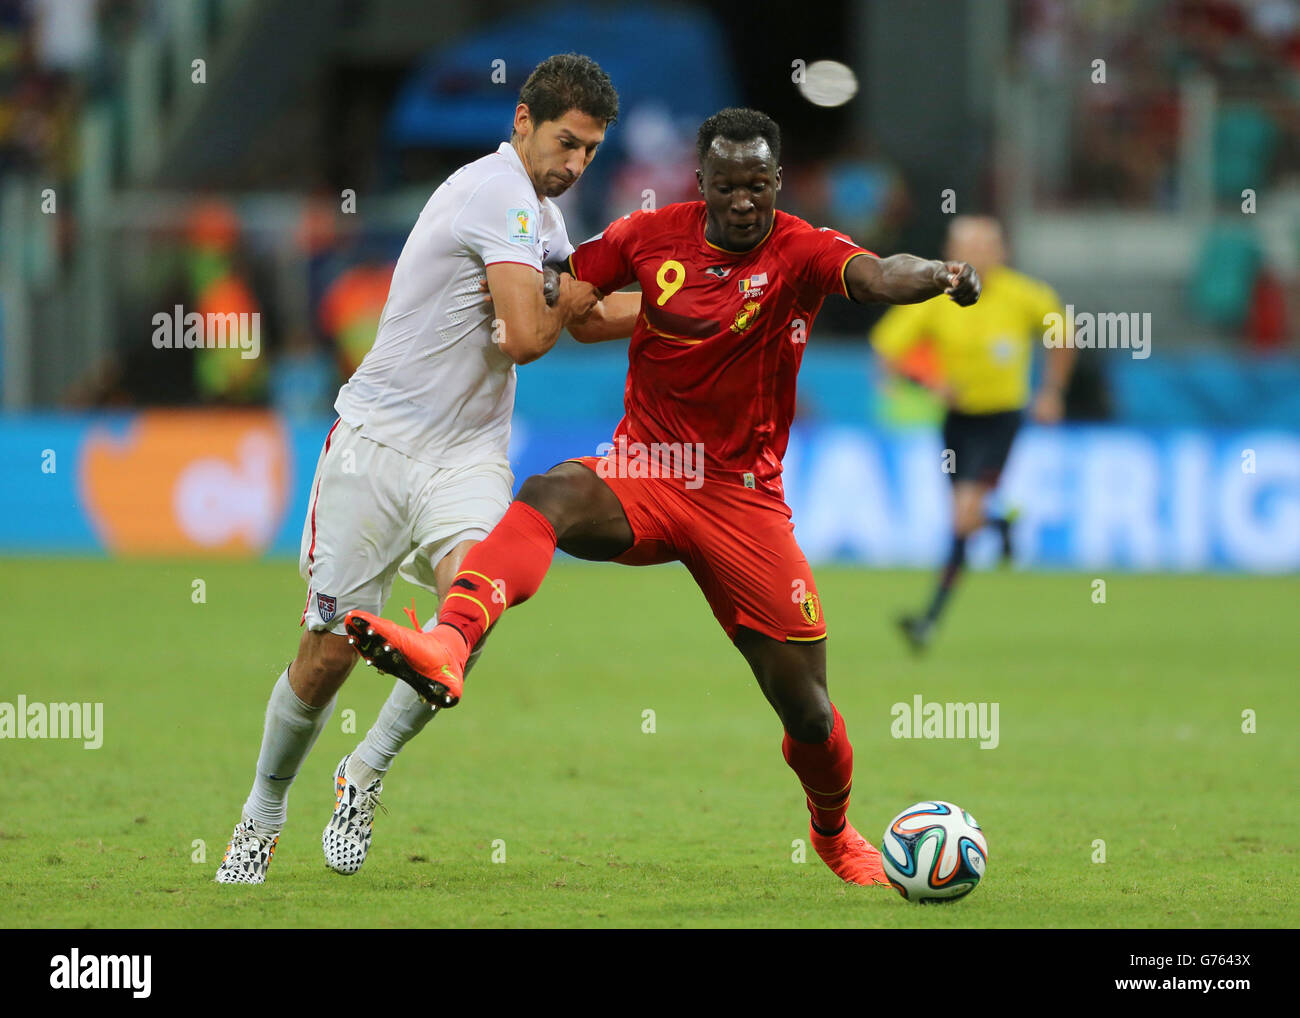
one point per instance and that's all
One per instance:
(980, 443)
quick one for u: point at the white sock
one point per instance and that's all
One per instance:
(400, 720)
(402, 717)
(291, 730)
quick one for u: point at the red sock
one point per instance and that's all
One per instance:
(503, 569)
(825, 770)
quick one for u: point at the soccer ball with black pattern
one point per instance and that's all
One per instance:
(934, 851)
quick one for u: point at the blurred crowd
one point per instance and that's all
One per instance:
(53, 55)
(1120, 136)
(316, 320)
(1123, 138)
(45, 48)
(320, 293)
(53, 58)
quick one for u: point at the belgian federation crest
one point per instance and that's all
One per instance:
(745, 316)
(810, 608)
(327, 606)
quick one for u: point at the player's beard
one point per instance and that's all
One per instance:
(555, 185)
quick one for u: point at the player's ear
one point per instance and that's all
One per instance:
(699, 180)
(523, 120)
(777, 178)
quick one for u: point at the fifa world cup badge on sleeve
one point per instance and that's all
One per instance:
(521, 226)
(327, 606)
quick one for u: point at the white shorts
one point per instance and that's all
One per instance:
(375, 512)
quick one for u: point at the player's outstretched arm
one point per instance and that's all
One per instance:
(613, 317)
(525, 326)
(907, 279)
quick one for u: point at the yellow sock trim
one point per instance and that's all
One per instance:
(838, 791)
(487, 619)
(470, 572)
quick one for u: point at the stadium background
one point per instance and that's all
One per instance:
(286, 180)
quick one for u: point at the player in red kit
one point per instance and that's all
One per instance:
(729, 291)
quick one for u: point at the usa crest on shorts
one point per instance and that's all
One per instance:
(327, 606)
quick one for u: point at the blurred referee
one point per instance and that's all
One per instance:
(983, 354)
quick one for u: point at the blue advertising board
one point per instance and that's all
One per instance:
(1087, 497)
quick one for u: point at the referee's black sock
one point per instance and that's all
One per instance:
(1002, 524)
(948, 578)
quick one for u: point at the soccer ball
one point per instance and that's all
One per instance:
(934, 851)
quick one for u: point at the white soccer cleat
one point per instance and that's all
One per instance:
(247, 856)
(346, 838)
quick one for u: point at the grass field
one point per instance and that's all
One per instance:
(1119, 721)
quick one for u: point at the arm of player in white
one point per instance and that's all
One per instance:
(525, 327)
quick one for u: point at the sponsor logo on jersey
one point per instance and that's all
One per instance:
(521, 226)
(745, 316)
(840, 238)
(810, 608)
(718, 271)
(327, 606)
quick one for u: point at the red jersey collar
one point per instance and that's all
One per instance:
(704, 222)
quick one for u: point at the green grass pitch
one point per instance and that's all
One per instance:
(1119, 722)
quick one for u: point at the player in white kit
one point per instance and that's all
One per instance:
(415, 471)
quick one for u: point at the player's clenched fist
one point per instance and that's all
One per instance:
(576, 298)
(959, 281)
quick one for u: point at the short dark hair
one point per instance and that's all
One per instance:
(738, 123)
(569, 81)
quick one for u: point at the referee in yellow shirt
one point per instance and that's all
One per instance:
(984, 353)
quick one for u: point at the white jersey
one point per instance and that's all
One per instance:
(435, 386)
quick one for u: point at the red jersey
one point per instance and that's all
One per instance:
(716, 349)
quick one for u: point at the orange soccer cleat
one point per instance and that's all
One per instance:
(422, 660)
(850, 856)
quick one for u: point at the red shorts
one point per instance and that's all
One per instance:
(737, 542)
